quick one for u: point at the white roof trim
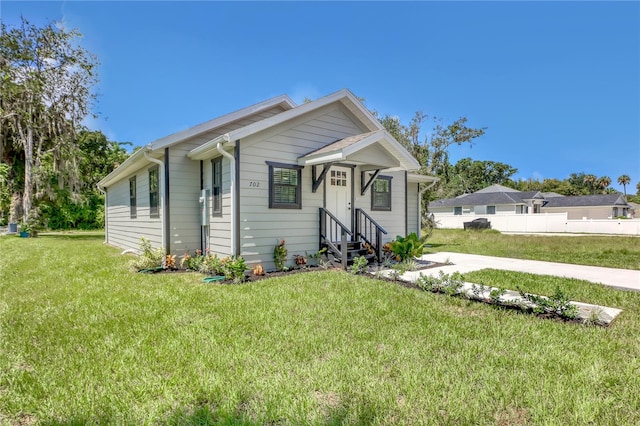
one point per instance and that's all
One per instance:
(133, 162)
(283, 100)
(416, 178)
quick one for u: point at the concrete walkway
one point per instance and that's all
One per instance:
(620, 278)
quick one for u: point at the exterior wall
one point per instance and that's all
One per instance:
(546, 222)
(578, 213)
(123, 231)
(260, 227)
(392, 221)
(414, 222)
(219, 235)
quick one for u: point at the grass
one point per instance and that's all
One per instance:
(84, 341)
(608, 251)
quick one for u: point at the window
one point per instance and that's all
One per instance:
(153, 192)
(491, 209)
(381, 193)
(338, 178)
(285, 186)
(132, 198)
(216, 169)
(457, 211)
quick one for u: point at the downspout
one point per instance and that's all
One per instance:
(106, 216)
(234, 201)
(160, 176)
(420, 194)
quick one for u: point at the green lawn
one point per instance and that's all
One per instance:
(597, 250)
(83, 340)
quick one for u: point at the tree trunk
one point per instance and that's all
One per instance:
(27, 143)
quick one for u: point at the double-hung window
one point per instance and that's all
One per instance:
(285, 186)
(381, 193)
(154, 192)
(216, 168)
(132, 198)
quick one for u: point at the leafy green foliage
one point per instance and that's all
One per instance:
(280, 255)
(148, 258)
(405, 248)
(233, 268)
(359, 265)
(443, 283)
(558, 303)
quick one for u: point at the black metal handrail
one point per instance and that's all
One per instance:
(370, 232)
(330, 229)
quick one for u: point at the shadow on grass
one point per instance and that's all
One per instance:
(85, 236)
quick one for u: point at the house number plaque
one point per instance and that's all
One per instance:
(254, 184)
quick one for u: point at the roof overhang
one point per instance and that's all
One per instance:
(134, 162)
(210, 149)
(416, 178)
(372, 150)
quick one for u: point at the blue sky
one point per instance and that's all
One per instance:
(557, 84)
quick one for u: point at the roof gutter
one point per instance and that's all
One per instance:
(226, 139)
(162, 194)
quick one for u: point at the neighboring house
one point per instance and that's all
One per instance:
(238, 184)
(498, 199)
(607, 206)
(495, 199)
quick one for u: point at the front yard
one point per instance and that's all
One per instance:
(83, 340)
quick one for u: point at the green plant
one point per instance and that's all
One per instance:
(319, 258)
(496, 294)
(407, 247)
(559, 303)
(192, 263)
(443, 283)
(280, 255)
(359, 265)
(148, 258)
(300, 260)
(210, 264)
(233, 268)
(26, 227)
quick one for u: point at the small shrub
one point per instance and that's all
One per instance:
(443, 283)
(258, 270)
(300, 260)
(407, 247)
(233, 268)
(496, 294)
(359, 265)
(559, 303)
(280, 255)
(210, 264)
(149, 258)
(170, 261)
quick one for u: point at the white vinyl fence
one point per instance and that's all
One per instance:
(544, 222)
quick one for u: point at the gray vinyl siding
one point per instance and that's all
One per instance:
(123, 231)
(261, 227)
(412, 207)
(184, 194)
(219, 225)
(392, 221)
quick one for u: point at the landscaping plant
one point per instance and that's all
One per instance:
(148, 258)
(280, 255)
(408, 247)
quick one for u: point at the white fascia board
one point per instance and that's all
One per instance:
(134, 161)
(322, 158)
(416, 178)
(222, 120)
(391, 145)
(210, 149)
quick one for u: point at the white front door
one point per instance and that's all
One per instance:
(339, 195)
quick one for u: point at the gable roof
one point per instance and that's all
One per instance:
(496, 188)
(480, 199)
(137, 159)
(344, 96)
(350, 148)
(605, 200)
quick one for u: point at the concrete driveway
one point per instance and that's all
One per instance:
(620, 278)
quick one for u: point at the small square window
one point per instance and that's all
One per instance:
(457, 211)
(285, 186)
(491, 209)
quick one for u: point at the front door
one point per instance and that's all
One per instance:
(339, 195)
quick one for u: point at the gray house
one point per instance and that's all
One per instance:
(495, 199)
(605, 206)
(314, 175)
(498, 199)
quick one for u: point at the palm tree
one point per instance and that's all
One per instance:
(624, 181)
(590, 181)
(603, 182)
